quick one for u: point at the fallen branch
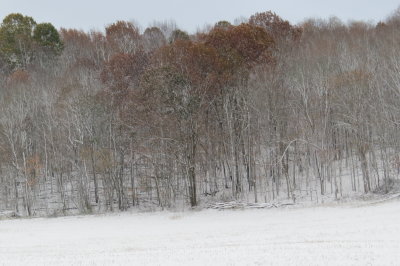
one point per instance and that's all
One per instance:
(242, 205)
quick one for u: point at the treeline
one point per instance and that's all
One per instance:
(260, 111)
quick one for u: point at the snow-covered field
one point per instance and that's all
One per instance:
(330, 235)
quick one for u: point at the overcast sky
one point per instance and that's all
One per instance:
(189, 15)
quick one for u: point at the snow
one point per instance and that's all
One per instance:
(347, 234)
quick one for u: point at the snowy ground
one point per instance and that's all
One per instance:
(345, 235)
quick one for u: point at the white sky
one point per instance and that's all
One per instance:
(189, 14)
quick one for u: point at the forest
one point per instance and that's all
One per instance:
(158, 118)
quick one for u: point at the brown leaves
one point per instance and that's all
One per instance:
(205, 67)
(276, 26)
(153, 38)
(354, 78)
(123, 37)
(121, 29)
(121, 74)
(75, 38)
(33, 167)
(196, 61)
(19, 77)
(123, 69)
(183, 77)
(241, 46)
